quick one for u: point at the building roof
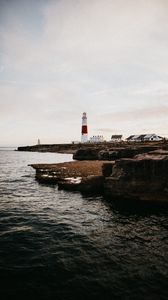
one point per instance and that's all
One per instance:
(116, 136)
(142, 137)
(132, 137)
(148, 136)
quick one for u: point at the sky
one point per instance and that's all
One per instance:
(59, 58)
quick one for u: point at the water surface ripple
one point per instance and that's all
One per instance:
(61, 245)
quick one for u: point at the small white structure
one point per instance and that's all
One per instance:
(116, 138)
(38, 142)
(97, 139)
(144, 138)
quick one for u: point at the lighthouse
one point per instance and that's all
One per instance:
(84, 133)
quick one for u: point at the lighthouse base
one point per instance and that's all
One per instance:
(84, 138)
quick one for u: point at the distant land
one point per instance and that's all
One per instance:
(71, 148)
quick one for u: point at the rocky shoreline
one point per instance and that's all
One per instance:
(140, 176)
(97, 151)
(65, 148)
(143, 178)
(83, 176)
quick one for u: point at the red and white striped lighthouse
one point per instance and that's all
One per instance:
(84, 136)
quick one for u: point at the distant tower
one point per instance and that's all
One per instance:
(84, 136)
(38, 142)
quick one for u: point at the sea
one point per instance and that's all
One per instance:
(64, 245)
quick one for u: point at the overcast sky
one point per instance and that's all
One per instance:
(59, 58)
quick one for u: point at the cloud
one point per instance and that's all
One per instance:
(59, 58)
(109, 130)
(87, 35)
(155, 112)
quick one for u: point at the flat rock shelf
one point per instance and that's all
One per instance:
(84, 176)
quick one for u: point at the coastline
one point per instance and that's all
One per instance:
(120, 171)
(71, 148)
(141, 179)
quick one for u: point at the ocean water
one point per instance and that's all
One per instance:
(62, 245)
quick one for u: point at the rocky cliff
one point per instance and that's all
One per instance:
(143, 178)
(109, 153)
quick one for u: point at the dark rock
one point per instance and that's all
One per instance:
(46, 176)
(124, 152)
(107, 169)
(139, 179)
(103, 155)
(113, 155)
(88, 185)
(92, 184)
(86, 154)
(108, 154)
(69, 184)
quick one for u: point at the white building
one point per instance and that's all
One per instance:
(116, 138)
(152, 137)
(144, 138)
(97, 139)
